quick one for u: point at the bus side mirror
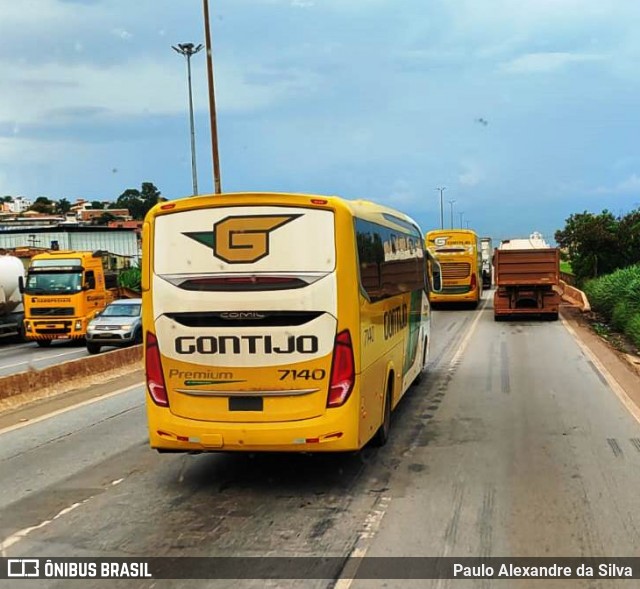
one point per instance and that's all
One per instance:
(437, 279)
(435, 274)
(21, 284)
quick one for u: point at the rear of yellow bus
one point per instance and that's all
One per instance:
(249, 342)
(459, 255)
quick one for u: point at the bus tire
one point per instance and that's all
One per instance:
(43, 343)
(382, 435)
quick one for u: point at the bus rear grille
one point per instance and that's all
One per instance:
(244, 318)
(455, 270)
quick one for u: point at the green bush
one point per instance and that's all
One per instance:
(622, 314)
(621, 286)
(130, 278)
(633, 329)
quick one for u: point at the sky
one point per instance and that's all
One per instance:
(524, 110)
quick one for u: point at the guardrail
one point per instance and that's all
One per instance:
(53, 376)
(569, 279)
(574, 296)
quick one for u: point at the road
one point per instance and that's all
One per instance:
(16, 358)
(515, 445)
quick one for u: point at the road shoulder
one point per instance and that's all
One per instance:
(619, 365)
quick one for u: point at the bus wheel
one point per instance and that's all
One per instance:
(382, 435)
(43, 343)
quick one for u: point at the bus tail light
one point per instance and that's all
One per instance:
(153, 366)
(342, 370)
(474, 281)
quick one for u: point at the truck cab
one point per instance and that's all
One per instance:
(62, 292)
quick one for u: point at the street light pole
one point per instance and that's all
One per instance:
(441, 189)
(451, 203)
(461, 213)
(212, 101)
(189, 49)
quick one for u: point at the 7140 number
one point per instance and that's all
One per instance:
(317, 374)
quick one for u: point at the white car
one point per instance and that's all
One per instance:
(120, 324)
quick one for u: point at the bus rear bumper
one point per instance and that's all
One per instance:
(331, 432)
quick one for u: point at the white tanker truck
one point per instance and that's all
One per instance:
(11, 309)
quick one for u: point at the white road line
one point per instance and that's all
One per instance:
(70, 408)
(613, 383)
(467, 338)
(14, 538)
(375, 517)
(32, 360)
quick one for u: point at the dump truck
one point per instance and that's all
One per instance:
(63, 291)
(527, 280)
(11, 307)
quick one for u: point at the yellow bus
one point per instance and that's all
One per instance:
(460, 256)
(279, 321)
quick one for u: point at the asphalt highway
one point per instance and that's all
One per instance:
(513, 445)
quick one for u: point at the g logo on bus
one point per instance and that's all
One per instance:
(440, 241)
(241, 240)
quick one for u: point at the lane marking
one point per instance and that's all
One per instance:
(70, 408)
(6, 350)
(40, 359)
(467, 338)
(374, 518)
(19, 535)
(611, 381)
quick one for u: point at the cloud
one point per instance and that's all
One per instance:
(546, 62)
(472, 174)
(122, 33)
(629, 185)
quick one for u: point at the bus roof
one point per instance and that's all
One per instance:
(450, 231)
(361, 208)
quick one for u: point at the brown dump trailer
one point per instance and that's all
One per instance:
(526, 282)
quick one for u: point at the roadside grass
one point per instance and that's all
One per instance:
(566, 267)
(616, 300)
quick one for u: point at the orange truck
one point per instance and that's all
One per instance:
(62, 292)
(526, 281)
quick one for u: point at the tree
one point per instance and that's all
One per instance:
(97, 205)
(105, 218)
(6, 198)
(63, 206)
(43, 205)
(139, 202)
(592, 242)
(629, 238)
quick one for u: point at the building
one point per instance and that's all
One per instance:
(122, 242)
(20, 204)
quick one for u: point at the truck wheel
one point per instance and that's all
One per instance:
(43, 343)
(382, 435)
(552, 316)
(93, 348)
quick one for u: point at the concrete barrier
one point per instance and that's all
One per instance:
(574, 296)
(51, 376)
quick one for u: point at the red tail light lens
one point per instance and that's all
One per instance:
(153, 366)
(342, 370)
(474, 281)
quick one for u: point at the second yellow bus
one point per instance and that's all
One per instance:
(460, 257)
